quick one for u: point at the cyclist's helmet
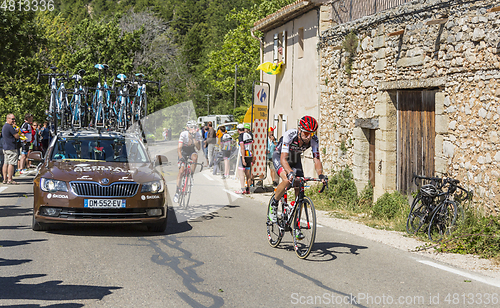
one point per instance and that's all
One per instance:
(308, 124)
(429, 190)
(191, 124)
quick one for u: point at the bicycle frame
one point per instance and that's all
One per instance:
(299, 199)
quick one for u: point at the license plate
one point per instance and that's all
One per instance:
(104, 203)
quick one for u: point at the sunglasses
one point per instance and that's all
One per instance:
(307, 134)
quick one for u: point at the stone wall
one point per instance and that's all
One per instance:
(451, 46)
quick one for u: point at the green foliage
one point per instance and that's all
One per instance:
(343, 147)
(475, 234)
(21, 38)
(192, 46)
(342, 192)
(366, 197)
(390, 206)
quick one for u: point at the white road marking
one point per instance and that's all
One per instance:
(490, 281)
(208, 177)
(232, 193)
(3, 188)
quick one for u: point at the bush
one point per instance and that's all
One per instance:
(476, 234)
(390, 206)
(342, 192)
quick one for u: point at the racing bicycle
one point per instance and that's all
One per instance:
(187, 182)
(299, 215)
(437, 204)
(52, 114)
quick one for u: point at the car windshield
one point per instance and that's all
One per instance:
(230, 127)
(122, 150)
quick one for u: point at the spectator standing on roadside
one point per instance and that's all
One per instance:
(26, 129)
(1, 156)
(211, 139)
(205, 145)
(45, 134)
(225, 146)
(245, 140)
(9, 138)
(165, 134)
(271, 145)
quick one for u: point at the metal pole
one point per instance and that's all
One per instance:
(235, 76)
(208, 102)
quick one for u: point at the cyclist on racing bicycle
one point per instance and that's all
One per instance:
(189, 143)
(287, 161)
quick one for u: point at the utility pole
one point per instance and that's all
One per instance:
(208, 102)
(235, 76)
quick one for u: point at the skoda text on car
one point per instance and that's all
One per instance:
(92, 177)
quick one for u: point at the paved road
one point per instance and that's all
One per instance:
(213, 255)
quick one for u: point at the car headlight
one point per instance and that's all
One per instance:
(152, 187)
(51, 185)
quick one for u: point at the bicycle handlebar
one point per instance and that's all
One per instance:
(307, 179)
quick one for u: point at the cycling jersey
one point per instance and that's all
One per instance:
(289, 143)
(245, 140)
(188, 143)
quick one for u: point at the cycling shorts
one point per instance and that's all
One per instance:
(296, 165)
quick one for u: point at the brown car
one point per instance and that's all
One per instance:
(92, 177)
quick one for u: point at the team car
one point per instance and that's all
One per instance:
(98, 177)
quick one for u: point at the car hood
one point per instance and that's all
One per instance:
(96, 171)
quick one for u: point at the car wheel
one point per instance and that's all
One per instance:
(158, 227)
(38, 226)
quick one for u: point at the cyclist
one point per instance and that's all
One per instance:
(189, 143)
(287, 161)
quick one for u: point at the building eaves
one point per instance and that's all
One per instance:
(285, 14)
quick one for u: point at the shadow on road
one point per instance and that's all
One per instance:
(12, 288)
(120, 230)
(7, 243)
(14, 210)
(325, 251)
(8, 262)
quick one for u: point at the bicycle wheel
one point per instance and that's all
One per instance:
(187, 192)
(443, 220)
(305, 221)
(274, 231)
(417, 217)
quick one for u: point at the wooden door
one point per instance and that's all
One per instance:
(416, 136)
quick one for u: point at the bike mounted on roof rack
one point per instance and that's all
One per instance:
(115, 108)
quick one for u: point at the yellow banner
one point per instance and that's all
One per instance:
(259, 113)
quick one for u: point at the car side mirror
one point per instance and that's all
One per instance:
(161, 160)
(35, 156)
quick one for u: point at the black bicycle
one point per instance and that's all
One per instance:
(299, 216)
(437, 204)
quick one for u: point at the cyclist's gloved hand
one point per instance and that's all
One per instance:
(291, 176)
(323, 178)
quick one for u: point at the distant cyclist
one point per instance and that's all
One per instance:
(189, 143)
(287, 161)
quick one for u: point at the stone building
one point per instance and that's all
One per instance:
(421, 96)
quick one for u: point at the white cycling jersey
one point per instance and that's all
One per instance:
(290, 143)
